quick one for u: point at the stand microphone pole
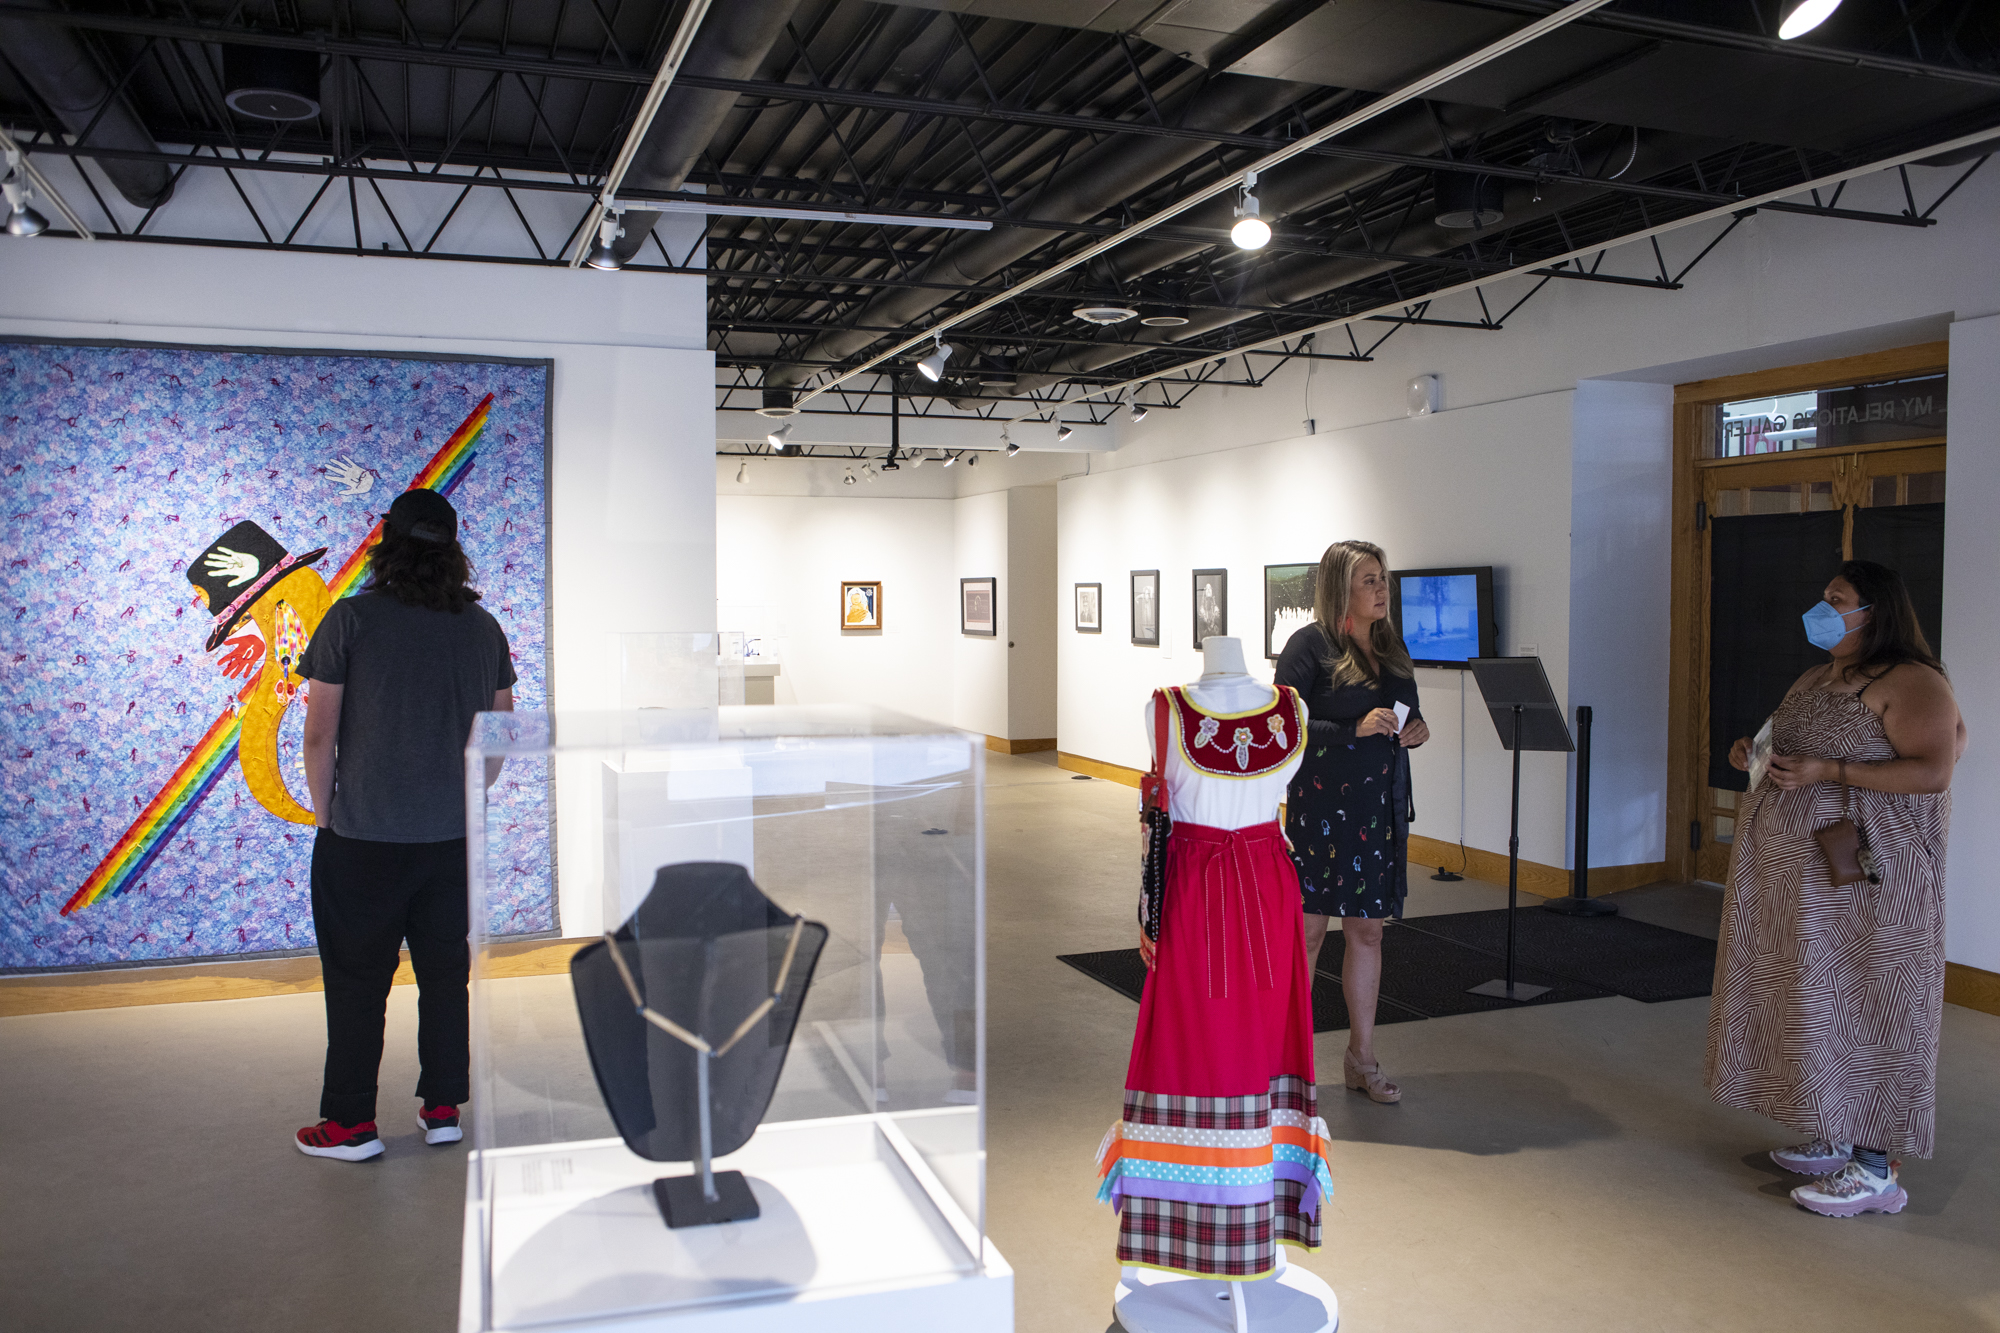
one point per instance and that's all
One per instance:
(1578, 901)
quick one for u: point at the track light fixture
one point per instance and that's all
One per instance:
(971, 459)
(868, 473)
(1251, 232)
(21, 219)
(1063, 433)
(890, 464)
(777, 436)
(847, 477)
(916, 457)
(950, 458)
(1138, 411)
(932, 366)
(1802, 16)
(602, 255)
(1008, 441)
(743, 474)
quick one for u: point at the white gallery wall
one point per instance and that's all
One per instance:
(632, 513)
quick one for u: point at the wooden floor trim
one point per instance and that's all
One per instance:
(193, 982)
(1973, 987)
(1097, 768)
(1545, 881)
(1026, 745)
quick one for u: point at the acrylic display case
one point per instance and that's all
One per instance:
(868, 1167)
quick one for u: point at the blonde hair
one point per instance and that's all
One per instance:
(1330, 598)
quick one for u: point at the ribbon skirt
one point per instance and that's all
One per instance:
(1221, 1154)
(1228, 1005)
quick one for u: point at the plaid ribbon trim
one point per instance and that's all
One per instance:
(1209, 1240)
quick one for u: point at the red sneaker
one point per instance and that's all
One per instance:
(348, 1143)
(440, 1124)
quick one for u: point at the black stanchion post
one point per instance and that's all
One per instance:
(1578, 901)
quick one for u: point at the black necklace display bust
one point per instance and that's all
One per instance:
(688, 1012)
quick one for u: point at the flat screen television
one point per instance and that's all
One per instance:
(1445, 615)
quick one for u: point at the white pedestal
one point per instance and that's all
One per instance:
(1291, 1300)
(858, 1233)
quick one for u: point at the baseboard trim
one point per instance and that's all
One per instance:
(1097, 768)
(1024, 746)
(1973, 987)
(69, 991)
(1545, 881)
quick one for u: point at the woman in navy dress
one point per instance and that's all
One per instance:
(1347, 813)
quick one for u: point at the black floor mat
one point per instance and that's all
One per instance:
(1330, 1007)
(1432, 975)
(1121, 970)
(1613, 953)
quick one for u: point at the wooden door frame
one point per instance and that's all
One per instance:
(1687, 682)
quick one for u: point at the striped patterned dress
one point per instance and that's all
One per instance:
(1827, 1000)
(1221, 1155)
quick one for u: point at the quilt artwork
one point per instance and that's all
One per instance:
(177, 521)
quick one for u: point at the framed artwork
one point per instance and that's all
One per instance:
(1089, 608)
(1146, 608)
(1288, 603)
(1211, 603)
(976, 615)
(860, 605)
(207, 506)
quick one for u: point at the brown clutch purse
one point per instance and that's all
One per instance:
(1845, 845)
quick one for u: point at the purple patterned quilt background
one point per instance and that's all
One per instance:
(119, 466)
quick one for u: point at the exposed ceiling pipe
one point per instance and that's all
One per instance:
(1303, 278)
(63, 73)
(732, 44)
(1112, 392)
(642, 123)
(1409, 92)
(1099, 179)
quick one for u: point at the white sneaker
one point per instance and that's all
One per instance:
(1814, 1159)
(1850, 1191)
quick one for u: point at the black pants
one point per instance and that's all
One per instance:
(367, 898)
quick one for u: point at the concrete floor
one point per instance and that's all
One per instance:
(1549, 1169)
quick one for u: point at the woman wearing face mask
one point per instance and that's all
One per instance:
(1828, 999)
(1347, 810)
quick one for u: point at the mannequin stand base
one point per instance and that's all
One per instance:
(682, 1205)
(1569, 905)
(1444, 876)
(1500, 990)
(1291, 1300)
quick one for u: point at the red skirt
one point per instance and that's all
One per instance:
(1228, 1005)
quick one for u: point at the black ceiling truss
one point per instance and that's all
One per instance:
(918, 114)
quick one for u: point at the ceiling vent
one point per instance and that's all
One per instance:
(269, 84)
(1163, 316)
(1105, 314)
(1465, 200)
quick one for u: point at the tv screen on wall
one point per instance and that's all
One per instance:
(1445, 615)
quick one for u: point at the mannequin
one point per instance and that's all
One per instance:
(1223, 1044)
(1226, 685)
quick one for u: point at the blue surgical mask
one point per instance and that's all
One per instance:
(1826, 625)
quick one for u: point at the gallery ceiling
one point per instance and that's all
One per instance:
(1056, 123)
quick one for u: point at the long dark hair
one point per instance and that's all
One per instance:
(433, 575)
(1330, 595)
(1892, 635)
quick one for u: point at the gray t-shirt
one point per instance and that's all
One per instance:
(413, 681)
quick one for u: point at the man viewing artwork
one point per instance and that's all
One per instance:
(397, 674)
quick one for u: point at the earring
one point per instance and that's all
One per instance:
(1347, 627)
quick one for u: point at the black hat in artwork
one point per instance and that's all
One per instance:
(236, 569)
(688, 1012)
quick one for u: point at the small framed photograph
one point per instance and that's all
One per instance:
(1288, 604)
(1089, 608)
(976, 607)
(860, 605)
(1211, 603)
(1146, 608)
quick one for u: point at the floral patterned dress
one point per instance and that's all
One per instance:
(1347, 812)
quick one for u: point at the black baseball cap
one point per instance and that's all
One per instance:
(422, 514)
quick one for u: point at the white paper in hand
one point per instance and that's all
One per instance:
(1402, 716)
(1760, 754)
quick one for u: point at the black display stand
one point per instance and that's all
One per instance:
(1578, 902)
(1527, 716)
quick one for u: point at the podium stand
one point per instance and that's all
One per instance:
(1527, 716)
